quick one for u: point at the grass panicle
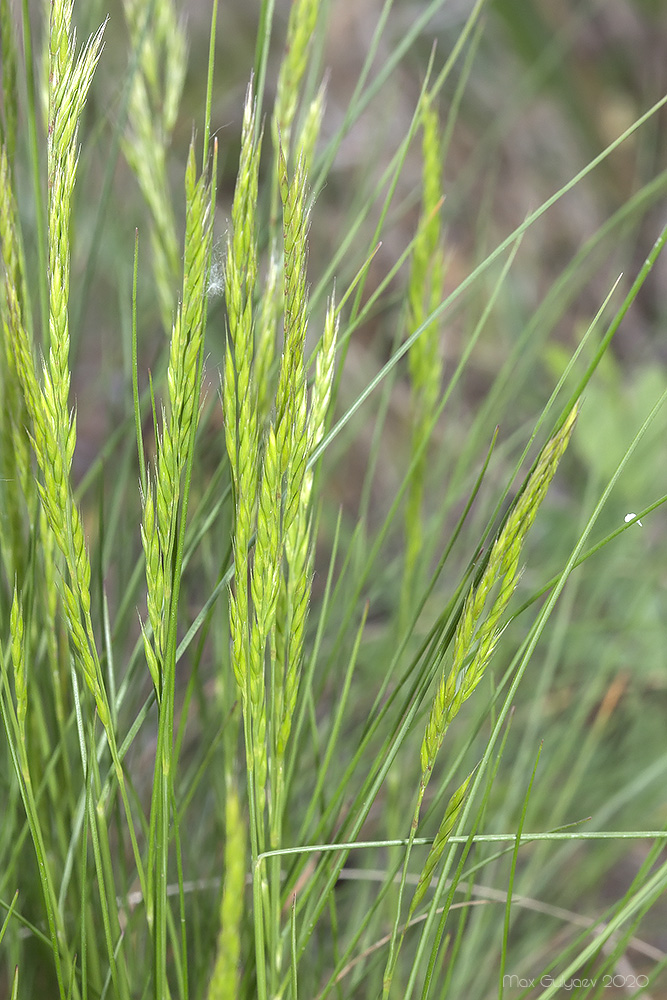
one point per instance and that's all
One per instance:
(272, 499)
(53, 426)
(160, 54)
(162, 499)
(425, 358)
(242, 439)
(476, 636)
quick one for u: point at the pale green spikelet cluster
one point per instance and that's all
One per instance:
(452, 813)
(69, 81)
(269, 602)
(427, 274)
(15, 475)
(298, 430)
(266, 333)
(310, 131)
(238, 386)
(292, 391)
(53, 426)
(300, 28)
(295, 588)
(160, 48)
(18, 660)
(425, 358)
(324, 371)
(476, 635)
(226, 971)
(18, 489)
(161, 500)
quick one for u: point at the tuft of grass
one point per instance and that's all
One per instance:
(307, 689)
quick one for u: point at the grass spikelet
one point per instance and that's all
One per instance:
(425, 357)
(324, 370)
(15, 472)
(293, 446)
(162, 499)
(290, 397)
(53, 437)
(12, 252)
(265, 336)
(474, 641)
(310, 130)
(154, 99)
(53, 426)
(448, 823)
(295, 591)
(18, 659)
(238, 390)
(300, 28)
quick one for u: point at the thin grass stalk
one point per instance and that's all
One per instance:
(262, 47)
(106, 884)
(510, 886)
(391, 175)
(85, 902)
(442, 912)
(209, 86)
